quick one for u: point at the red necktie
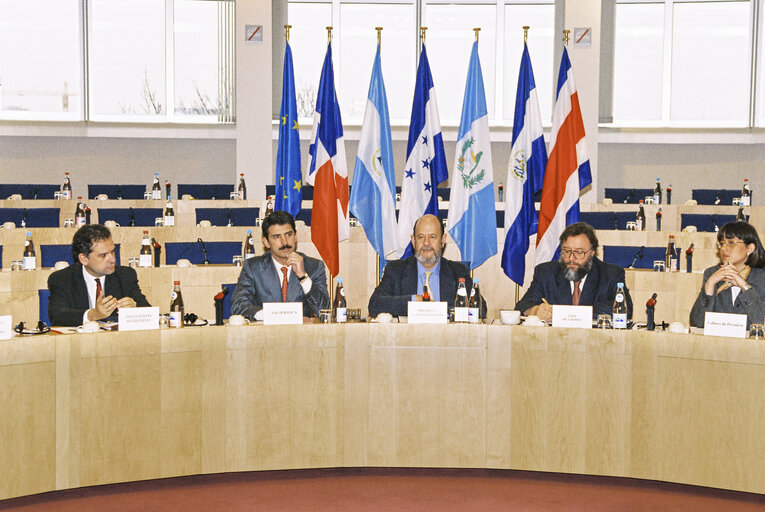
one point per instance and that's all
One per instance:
(99, 290)
(284, 284)
(577, 293)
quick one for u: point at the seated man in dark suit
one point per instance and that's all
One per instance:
(94, 287)
(280, 275)
(406, 278)
(556, 282)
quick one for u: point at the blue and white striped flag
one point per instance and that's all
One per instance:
(525, 173)
(472, 215)
(373, 199)
(425, 157)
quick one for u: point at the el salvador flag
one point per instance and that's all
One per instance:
(289, 177)
(525, 173)
(373, 200)
(425, 158)
(472, 215)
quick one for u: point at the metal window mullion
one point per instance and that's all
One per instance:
(337, 62)
(754, 106)
(85, 58)
(666, 83)
(169, 60)
(499, 62)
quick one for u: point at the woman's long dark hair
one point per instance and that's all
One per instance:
(746, 233)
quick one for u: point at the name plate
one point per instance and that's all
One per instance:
(6, 327)
(282, 313)
(426, 313)
(725, 324)
(579, 317)
(138, 319)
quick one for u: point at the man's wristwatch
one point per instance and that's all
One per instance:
(303, 277)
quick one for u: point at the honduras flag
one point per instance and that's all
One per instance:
(425, 157)
(472, 216)
(525, 173)
(289, 178)
(373, 200)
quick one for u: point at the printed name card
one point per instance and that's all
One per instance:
(282, 313)
(579, 317)
(426, 313)
(138, 319)
(6, 327)
(725, 324)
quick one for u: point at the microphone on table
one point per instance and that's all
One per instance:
(717, 198)
(157, 251)
(629, 196)
(228, 216)
(638, 254)
(204, 251)
(219, 305)
(24, 219)
(131, 215)
(650, 307)
(36, 191)
(689, 258)
(714, 223)
(119, 192)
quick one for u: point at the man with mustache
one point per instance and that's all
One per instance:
(405, 279)
(280, 275)
(95, 286)
(556, 282)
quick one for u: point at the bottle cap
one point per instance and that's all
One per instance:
(475, 281)
(641, 201)
(156, 174)
(619, 284)
(177, 283)
(249, 231)
(145, 232)
(462, 280)
(29, 233)
(339, 280)
(79, 198)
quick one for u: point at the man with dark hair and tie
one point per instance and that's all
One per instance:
(280, 275)
(95, 286)
(577, 278)
(405, 279)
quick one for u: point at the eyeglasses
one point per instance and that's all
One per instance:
(730, 244)
(578, 253)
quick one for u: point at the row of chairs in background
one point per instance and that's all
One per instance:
(703, 196)
(125, 191)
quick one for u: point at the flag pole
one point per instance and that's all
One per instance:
(525, 32)
(566, 33)
(377, 271)
(517, 286)
(329, 35)
(422, 33)
(287, 32)
(476, 30)
(379, 35)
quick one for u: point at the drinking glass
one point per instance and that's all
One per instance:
(659, 266)
(755, 331)
(604, 321)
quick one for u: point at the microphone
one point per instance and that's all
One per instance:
(228, 216)
(36, 191)
(629, 196)
(650, 306)
(204, 251)
(637, 255)
(24, 219)
(717, 198)
(714, 223)
(119, 196)
(219, 305)
(131, 214)
(689, 258)
(616, 221)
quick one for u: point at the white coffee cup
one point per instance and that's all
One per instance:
(678, 328)
(60, 264)
(509, 316)
(205, 223)
(236, 320)
(187, 197)
(183, 262)
(9, 225)
(533, 321)
(102, 197)
(384, 318)
(89, 327)
(111, 224)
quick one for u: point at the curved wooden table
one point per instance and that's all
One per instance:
(79, 410)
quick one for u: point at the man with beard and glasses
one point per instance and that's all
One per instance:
(281, 274)
(577, 278)
(404, 280)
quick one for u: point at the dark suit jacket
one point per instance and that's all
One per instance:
(69, 295)
(750, 303)
(599, 289)
(259, 282)
(399, 283)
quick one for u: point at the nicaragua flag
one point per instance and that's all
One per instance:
(425, 157)
(289, 178)
(472, 215)
(373, 200)
(525, 173)
(327, 172)
(568, 168)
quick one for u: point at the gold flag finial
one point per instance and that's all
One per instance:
(329, 34)
(287, 32)
(566, 32)
(476, 30)
(422, 33)
(379, 35)
(525, 32)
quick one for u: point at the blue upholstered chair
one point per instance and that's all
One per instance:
(117, 191)
(122, 216)
(709, 196)
(217, 252)
(43, 298)
(623, 255)
(28, 191)
(220, 216)
(704, 222)
(50, 254)
(33, 217)
(628, 195)
(206, 191)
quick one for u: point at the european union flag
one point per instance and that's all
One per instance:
(289, 178)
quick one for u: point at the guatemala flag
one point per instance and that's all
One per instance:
(525, 173)
(472, 216)
(373, 199)
(568, 168)
(425, 157)
(327, 172)
(289, 178)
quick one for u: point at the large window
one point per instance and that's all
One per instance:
(683, 62)
(135, 60)
(449, 39)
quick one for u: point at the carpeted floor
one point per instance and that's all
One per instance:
(377, 489)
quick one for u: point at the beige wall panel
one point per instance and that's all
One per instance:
(644, 347)
(707, 437)
(499, 409)
(121, 408)
(27, 425)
